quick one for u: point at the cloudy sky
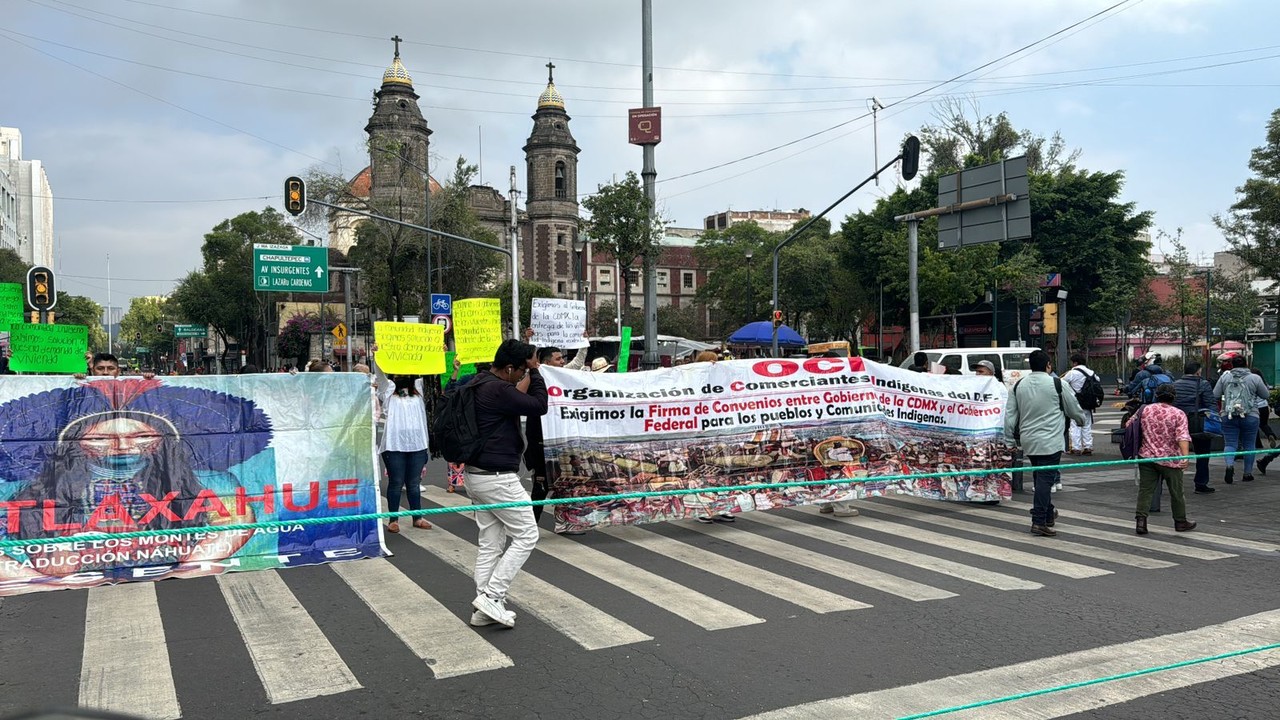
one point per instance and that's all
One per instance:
(156, 119)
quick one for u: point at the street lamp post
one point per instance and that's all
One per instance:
(579, 272)
(751, 295)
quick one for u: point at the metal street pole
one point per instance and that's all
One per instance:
(1208, 308)
(649, 173)
(515, 262)
(1061, 364)
(348, 313)
(751, 295)
(913, 281)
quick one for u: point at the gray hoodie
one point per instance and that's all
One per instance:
(1252, 382)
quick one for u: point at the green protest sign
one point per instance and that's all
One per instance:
(464, 370)
(11, 305)
(624, 350)
(48, 349)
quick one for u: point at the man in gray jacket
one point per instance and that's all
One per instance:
(1036, 418)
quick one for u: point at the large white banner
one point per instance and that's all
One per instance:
(744, 422)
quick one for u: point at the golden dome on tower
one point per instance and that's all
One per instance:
(550, 98)
(396, 73)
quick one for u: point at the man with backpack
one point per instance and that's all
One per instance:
(1036, 418)
(1090, 394)
(1239, 391)
(1193, 395)
(1150, 377)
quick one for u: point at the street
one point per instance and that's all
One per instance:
(777, 610)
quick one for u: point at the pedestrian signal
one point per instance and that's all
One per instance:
(295, 196)
(1050, 325)
(41, 294)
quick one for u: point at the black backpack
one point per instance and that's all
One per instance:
(1091, 393)
(454, 430)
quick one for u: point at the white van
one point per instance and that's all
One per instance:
(1011, 362)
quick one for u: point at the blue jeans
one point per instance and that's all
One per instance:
(403, 471)
(1239, 433)
(1042, 501)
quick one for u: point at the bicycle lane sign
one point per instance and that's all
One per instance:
(441, 304)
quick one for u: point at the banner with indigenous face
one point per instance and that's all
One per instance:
(113, 455)
(745, 422)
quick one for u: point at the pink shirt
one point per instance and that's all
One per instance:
(1163, 425)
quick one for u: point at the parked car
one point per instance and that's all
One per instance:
(1011, 362)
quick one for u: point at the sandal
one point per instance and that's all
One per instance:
(393, 527)
(422, 524)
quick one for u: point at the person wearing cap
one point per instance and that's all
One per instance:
(987, 368)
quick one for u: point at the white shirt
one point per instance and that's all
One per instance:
(1075, 377)
(406, 428)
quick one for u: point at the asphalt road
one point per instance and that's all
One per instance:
(911, 607)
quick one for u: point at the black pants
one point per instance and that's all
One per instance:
(1200, 444)
(539, 490)
(1042, 502)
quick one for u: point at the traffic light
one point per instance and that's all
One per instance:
(777, 318)
(910, 157)
(41, 294)
(159, 327)
(137, 336)
(1050, 325)
(295, 196)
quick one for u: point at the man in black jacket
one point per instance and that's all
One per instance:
(512, 388)
(1195, 394)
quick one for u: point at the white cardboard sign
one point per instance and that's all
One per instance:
(559, 323)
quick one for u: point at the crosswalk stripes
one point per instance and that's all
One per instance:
(1200, 536)
(770, 583)
(446, 644)
(125, 666)
(854, 573)
(1024, 538)
(1073, 530)
(293, 657)
(702, 610)
(999, 581)
(588, 626)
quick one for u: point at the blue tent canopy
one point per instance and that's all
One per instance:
(761, 333)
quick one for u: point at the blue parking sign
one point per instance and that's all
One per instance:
(441, 304)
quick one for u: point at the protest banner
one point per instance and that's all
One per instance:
(748, 422)
(111, 455)
(409, 348)
(559, 323)
(48, 348)
(463, 370)
(477, 329)
(624, 350)
(12, 303)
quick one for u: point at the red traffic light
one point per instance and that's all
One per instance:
(777, 316)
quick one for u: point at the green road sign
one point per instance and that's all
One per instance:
(139, 351)
(190, 331)
(290, 268)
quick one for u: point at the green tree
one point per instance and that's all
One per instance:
(221, 293)
(1235, 305)
(1187, 297)
(79, 310)
(620, 226)
(138, 326)
(1252, 225)
(604, 321)
(684, 321)
(1021, 276)
(12, 268)
(737, 290)
(529, 289)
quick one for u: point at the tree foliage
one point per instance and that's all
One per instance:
(620, 225)
(294, 341)
(1252, 225)
(138, 326)
(529, 289)
(80, 310)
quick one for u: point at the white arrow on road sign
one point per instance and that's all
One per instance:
(319, 272)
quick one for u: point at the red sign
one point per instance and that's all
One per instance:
(644, 126)
(444, 320)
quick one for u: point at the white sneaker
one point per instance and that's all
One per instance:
(496, 610)
(845, 513)
(826, 509)
(479, 619)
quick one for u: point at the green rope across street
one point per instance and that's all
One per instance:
(90, 537)
(1087, 683)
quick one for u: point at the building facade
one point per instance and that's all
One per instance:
(771, 220)
(32, 204)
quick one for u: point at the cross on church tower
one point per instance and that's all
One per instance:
(396, 39)
(550, 67)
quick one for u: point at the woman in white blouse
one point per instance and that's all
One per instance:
(404, 441)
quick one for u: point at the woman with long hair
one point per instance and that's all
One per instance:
(404, 441)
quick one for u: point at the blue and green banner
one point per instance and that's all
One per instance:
(181, 458)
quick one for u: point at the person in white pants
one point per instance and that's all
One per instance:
(1081, 434)
(511, 389)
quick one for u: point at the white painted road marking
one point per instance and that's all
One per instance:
(1242, 634)
(999, 581)
(448, 645)
(293, 657)
(125, 667)
(1196, 534)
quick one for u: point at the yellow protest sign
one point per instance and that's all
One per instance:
(409, 348)
(477, 329)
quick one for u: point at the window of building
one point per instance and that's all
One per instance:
(605, 277)
(560, 238)
(561, 187)
(662, 278)
(686, 280)
(634, 276)
(560, 287)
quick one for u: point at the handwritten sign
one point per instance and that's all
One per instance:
(624, 350)
(409, 348)
(11, 305)
(477, 329)
(463, 370)
(559, 323)
(48, 348)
